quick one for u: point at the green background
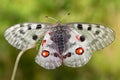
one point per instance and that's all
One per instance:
(104, 65)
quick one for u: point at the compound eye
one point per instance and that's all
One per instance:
(45, 53)
(79, 51)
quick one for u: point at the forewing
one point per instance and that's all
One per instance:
(86, 38)
(24, 36)
(96, 36)
(48, 56)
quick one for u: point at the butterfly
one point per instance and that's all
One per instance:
(71, 44)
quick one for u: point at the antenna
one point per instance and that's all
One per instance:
(65, 16)
(48, 17)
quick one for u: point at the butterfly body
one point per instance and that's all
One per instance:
(60, 37)
(70, 44)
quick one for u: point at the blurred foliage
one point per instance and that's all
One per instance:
(104, 64)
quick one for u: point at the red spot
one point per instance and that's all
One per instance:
(78, 37)
(43, 42)
(79, 51)
(45, 53)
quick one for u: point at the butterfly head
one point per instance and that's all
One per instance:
(59, 26)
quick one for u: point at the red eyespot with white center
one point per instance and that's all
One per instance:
(43, 42)
(79, 51)
(45, 53)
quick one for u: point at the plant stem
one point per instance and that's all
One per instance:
(16, 64)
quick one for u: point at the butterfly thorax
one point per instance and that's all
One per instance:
(60, 37)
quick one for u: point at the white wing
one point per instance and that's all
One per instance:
(48, 56)
(96, 36)
(24, 36)
(86, 38)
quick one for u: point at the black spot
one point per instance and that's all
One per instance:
(82, 38)
(98, 26)
(29, 27)
(97, 32)
(80, 27)
(55, 54)
(89, 28)
(69, 54)
(38, 26)
(21, 31)
(21, 25)
(34, 37)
